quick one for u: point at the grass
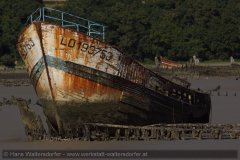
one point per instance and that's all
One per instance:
(216, 61)
(18, 68)
(148, 63)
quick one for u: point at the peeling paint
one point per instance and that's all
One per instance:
(79, 68)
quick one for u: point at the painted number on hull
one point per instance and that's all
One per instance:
(87, 48)
(26, 46)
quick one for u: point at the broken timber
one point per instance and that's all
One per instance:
(106, 132)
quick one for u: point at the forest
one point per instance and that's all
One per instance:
(176, 29)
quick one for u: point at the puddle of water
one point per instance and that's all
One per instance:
(226, 101)
(12, 128)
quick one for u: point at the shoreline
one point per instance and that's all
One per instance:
(19, 77)
(201, 70)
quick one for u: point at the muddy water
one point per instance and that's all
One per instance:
(11, 127)
(225, 109)
(225, 101)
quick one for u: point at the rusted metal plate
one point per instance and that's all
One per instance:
(77, 48)
(30, 49)
(66, 65)
(80, 49)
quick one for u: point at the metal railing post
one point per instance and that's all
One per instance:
(103, 34)
(62, 20)
(40, 14)
(89, 28)
(43, 14)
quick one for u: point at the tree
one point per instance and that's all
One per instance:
(13, 15)
(177, 29)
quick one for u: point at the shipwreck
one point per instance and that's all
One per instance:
(80, 78)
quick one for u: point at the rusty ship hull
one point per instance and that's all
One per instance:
(79, 79)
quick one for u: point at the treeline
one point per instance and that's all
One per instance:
(177, 29)
(13, 14)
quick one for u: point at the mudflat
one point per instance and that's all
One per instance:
(225, 110)
(9, 75)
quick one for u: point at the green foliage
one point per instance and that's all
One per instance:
(13, 16)
(177, 29)
(7, 60)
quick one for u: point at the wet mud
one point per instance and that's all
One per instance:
(201, 71)
(14, 79)
(15, 82)
(13, 75)
(225, 110)
(225, 92)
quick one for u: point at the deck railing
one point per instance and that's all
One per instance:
(65, 19)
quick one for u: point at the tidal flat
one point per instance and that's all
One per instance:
(225, 110)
